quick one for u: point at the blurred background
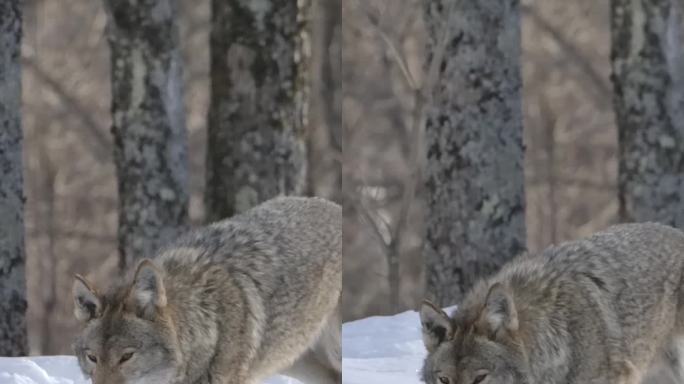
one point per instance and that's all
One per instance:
(569, 133)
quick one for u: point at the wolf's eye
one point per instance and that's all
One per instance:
(125, 357)
(91, 357)
(444, 380)
(479, 378)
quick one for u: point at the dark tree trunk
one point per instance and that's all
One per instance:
(474, 174)
(148, 116)
(648, 80)
(259, 102)
(13, 341)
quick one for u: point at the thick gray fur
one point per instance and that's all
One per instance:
(231, 303)
(605, 309)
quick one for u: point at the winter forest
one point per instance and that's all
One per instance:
(133, 123)
(583, 124)
(455, 134)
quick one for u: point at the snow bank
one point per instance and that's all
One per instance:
(376, 350)
(40, 370)
(380, 350)
(59, 370)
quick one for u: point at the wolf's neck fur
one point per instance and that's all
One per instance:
(189, 285)
(195, 281)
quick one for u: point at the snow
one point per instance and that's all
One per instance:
(375, 350)
(59, 370)
(383, 350)
(40, 370)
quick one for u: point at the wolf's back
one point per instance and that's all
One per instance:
(285, 254)
(286, 233)
(634, 254)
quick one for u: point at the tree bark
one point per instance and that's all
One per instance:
(474, 173)
(259, 104)
(325, 146)
(150, 138)
(13, 341)
(648, 82)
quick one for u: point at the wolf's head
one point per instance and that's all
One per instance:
(480, 345)
(127, 334)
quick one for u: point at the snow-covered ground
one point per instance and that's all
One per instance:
(380, 350)
(40, 370)
(59, 370)
(375, 350)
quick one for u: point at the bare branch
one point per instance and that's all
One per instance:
(433, 71)
(548, 125)
(422, 97)
(391, 45)
(572, 52)
(92, 128)
(368, 218)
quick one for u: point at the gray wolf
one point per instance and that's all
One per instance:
(231, 303)
(600, 310)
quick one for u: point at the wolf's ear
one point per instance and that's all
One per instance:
(437, 326)
(499, 311)
(87, 303)
(147, 293)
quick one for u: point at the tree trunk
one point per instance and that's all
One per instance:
(259, 95)
(13, 340)
(148, 114)
(325, 147)
(648, 80)
(474, 174)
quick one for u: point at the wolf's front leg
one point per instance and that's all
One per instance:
(627, 373)
(206, 379)
(234, 373)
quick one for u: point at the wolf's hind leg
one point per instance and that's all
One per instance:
(322, 363)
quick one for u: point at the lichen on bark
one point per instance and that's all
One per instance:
(259, 102)
(474, 173)
(148, 126)
(648, 82)
(13, 340)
